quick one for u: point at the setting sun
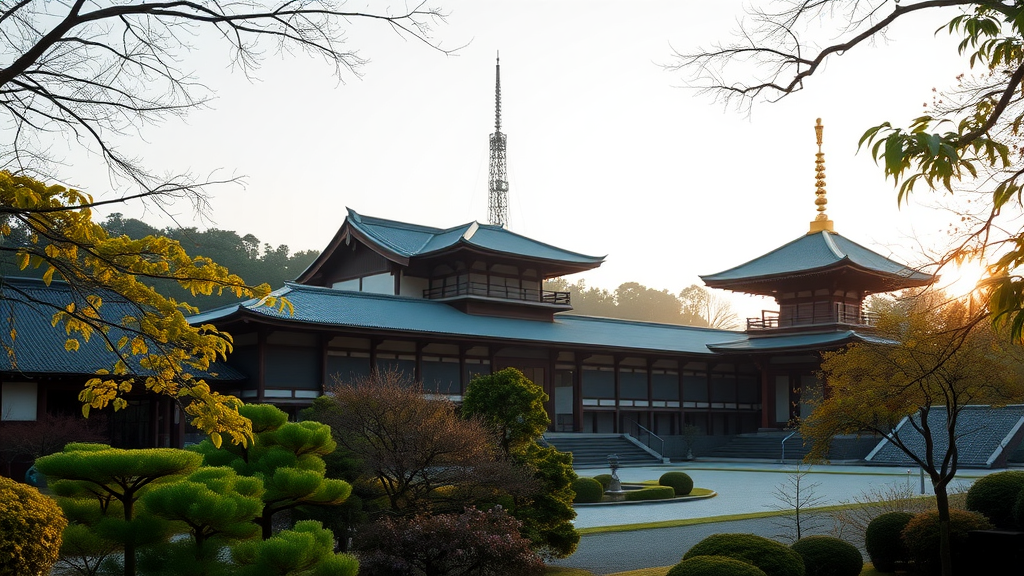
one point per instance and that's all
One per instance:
(961, 279)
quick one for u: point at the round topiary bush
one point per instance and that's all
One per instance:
(828, 556)
(30, 529)
(994, 496)
(714, 566)
(604, 479)
(922, 539)
(587, 490)
(771, 557)
(650, 493)
(884, 541)
(679, 481)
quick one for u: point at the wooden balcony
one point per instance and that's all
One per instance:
(845, 314)
(480, 289)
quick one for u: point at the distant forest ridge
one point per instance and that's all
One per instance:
(258, 262)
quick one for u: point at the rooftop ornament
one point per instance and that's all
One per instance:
(821, 223)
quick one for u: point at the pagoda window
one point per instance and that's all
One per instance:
(441, 375)
(633, 383)
(347, 367)
(598, 382)
(665, 384)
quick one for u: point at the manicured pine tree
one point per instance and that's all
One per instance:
(288, 457)
(114, 479)
(217, 506)
(306, 550)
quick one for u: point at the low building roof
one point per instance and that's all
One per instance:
(796, 342)
(36, 347)
(817, 253)
(331, 308)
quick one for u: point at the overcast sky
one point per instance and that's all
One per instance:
(608, 153)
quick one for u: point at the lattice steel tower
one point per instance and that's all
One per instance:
(497, 200)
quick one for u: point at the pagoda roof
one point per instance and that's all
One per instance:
(326, 308)
(402, 241)
(817, 253)
(797, 342)
(37, 349)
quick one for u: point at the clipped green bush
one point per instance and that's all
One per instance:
(714, 566)
(994, 496)
(773, 558)
(604, 479)
(884, 541)
(680, 481)
(587, 490)
(828, 556)
(922, 538)
(30, 530)
(651, 493)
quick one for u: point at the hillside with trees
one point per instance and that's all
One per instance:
(693, 306)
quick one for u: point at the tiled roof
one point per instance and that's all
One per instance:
(814, 252)
(817, 341)
(27, 307)
(337, 308)
(410, 240)
(984, 435)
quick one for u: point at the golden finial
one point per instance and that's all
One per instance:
(821, 221)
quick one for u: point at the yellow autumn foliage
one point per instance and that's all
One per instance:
(30, 530)
(69, 246)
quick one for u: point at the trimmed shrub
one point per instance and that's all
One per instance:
(1018, 510)
(587, 490)
(773, 558)
(651, 493)
(473, 542)
(995, 495)
(884, 541)
(714, 566)
(922, 538)
(30, 529)
(828, 556)
(604, 479)
(680, 481)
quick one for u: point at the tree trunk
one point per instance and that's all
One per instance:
(129, 544)
(266, 523)
(945, 550)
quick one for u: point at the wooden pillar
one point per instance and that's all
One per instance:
(680, 364)
(418, 370)
(166, 423)
(462, 369)
(615, 374)
(577, 395)
(261, 365)
(650, 394)
(551, 389)
(710, 426)
(374, 343)
(324, 341)
(767, 396)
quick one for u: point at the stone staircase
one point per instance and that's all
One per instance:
(760, 446)
(592, 450)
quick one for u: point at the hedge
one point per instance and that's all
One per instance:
(773, 558)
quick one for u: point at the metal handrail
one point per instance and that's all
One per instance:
(791, 434)
(650, 436)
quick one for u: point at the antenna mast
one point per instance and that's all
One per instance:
(497, 199)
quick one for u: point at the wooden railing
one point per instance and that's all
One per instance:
(490, 291)
(839, 314)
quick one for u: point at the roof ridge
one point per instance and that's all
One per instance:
(507, 231)
(565, 315)
(832, 245)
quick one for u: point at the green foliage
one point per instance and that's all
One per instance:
(994, 496)
(473, 542)
(604, 479)
(547, 514)
(770, 556)
(650, 493)
(510, 405)
(884, 541)
(287, 457)
(30, 530)
(694, 306)
(211, 502)
(587, 490)
(679, 481)
(714, 566)
(306, 550)
(828, 556)
(921, 536)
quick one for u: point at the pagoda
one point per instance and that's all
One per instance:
(819, 281)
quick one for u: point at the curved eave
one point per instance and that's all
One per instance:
(558, 267)
(348, 230)
(817, 342)
(761, 285)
